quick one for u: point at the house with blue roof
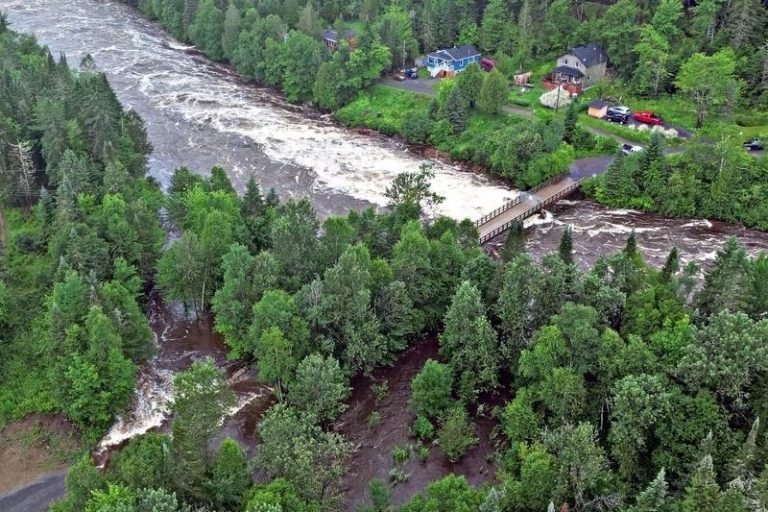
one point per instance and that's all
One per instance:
(450, 61)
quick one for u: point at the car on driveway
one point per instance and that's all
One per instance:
(617, 117)
(647, 117)
(399, 77)
(619, 109)
(755, 145)
(628, 149)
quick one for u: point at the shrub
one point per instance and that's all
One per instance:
(417, 127)
(423, 428)
(456, 434)
(442, 131)
(374, 419)
(400, 454)
(431, 389)
(423, 454)
(751, 119)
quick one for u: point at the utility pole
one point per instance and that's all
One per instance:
(403, 55)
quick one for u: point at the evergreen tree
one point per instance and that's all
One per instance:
(207, 29)
(455, 110)
(703, 493)
(230, 478)
(566, 246)
(469, 343)
(493, 94)
(570, 123)
(514, 245)
(493, 31)
(654, 497)
(231, 31)
(470, 82)
(671, 266)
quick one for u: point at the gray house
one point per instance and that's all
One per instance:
(581, 67)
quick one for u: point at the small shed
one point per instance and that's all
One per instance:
(598, 109)
(522, 78)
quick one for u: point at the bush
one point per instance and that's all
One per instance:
(423, 428)
(417, 127)
(751, 119)
(423, 454)
(442, 131)
(400, 454)
(456, 434)
(431, 389)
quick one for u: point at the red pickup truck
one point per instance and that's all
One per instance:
(647, 117)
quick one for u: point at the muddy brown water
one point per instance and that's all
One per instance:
(374, 442)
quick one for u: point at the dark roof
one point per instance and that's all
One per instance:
(589, 54)
(456, 53)
(599, 104)
(569, 71)
(332, 35)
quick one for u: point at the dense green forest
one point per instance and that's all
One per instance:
(648, 43)
(718, 181)
(626, 387)
(81, 238)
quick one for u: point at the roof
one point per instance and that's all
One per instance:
(332, 35)
(569, 71)
(590, 54)
(598, 104)
(456, 53)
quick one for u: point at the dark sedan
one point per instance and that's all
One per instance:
(755, 145)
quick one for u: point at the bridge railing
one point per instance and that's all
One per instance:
(496, 232)
(498, 211)
(530, 211)
(550, 181)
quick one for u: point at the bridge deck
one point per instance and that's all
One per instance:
(546, 195)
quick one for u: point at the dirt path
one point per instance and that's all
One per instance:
(35, 446)
(36, 497)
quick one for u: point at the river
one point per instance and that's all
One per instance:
(199, 114)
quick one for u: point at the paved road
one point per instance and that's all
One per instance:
(35, 497)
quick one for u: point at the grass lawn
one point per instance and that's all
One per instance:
(382, 108)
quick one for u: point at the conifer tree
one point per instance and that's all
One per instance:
(566, 246)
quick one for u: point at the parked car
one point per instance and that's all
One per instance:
(412, 73)
(628, 149)
(487, 64)
(617, 117)
(399, 77)
(619, 109)
(647, 117)
(755, 145)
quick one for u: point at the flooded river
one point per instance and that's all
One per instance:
(199, 114)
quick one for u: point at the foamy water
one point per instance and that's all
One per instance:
(199, 114)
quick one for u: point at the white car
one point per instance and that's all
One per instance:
(619, 109)
(628, 149)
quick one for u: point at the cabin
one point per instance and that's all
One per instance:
(449, 61)
(579, 69)
(598, 109)
(331, 38)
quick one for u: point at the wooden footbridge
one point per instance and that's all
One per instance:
(524, 205)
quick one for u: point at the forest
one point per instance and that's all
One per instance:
(622, 386)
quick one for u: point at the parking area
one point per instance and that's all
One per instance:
(420, 85)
